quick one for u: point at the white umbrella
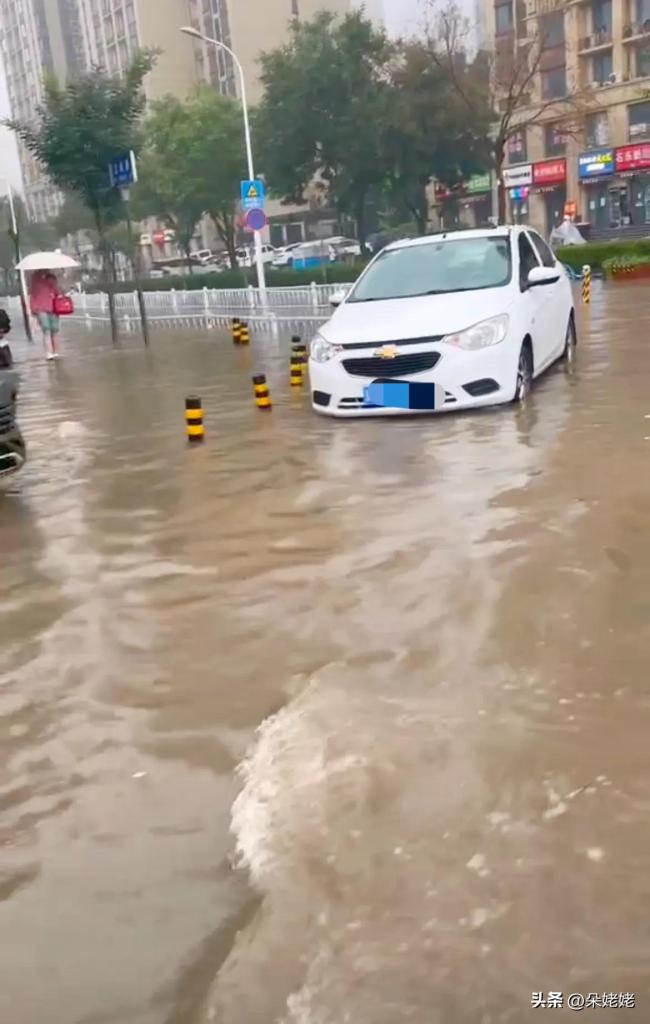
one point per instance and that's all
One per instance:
(47, 261)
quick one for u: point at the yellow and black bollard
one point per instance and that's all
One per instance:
(262, 396)
(194, 420)
(244, 334)
(297, 369)
(299, 347)
(236, 330)
(586, 284)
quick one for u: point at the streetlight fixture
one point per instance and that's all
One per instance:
(16, 241)
(194, 33)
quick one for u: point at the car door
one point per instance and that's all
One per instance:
(536, 305)
(560, 305)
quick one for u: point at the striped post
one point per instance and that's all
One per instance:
(244, 334)
(194, 419)
(236, 330)
(586, 284)
(262, 396)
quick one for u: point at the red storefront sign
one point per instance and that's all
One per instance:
(630, 158)
(549, 172)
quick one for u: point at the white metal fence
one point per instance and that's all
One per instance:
(285, 308)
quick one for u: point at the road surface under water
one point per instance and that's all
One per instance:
(324, 722)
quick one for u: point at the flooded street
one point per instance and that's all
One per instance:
(324, 721)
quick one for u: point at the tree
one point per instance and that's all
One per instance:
(80, 128)
(192, 164)
(502, 89)
(320, 124)
(428, 133)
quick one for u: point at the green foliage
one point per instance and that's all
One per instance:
(81, 127)
(429, 131)
(327, 95)
(192, 164)
(337, 273)
(596, 253)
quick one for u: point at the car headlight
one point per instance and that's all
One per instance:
(481, 335)
(322, 350)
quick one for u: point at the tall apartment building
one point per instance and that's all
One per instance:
(38, 38)
(598, 51)
(249, 27)
(113, 31)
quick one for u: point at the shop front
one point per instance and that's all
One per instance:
(596, 177)
(477, 200)
(549, 181)
(518, 181)
(616, 186)
(631, 201)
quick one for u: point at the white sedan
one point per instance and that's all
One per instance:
(451, 321)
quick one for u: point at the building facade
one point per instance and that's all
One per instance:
(589, 159)
(38, 38)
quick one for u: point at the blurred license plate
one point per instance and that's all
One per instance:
(403, 394)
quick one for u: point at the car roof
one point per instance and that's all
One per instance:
(406, 243)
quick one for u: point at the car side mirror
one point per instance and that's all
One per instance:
(540, 276)
(336, 298)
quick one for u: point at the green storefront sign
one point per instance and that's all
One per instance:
(478, 183)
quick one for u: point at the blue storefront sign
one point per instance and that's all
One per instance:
(596, 163)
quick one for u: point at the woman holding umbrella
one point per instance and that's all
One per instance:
(43, 292)
(47, 301)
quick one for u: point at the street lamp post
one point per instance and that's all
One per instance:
(195, 34)
(16, 241)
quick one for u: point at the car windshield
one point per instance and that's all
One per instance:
(445, 265)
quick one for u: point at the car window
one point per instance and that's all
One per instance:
(438, 267)
(544, 251)
(527, 260)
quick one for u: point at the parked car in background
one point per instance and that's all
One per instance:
(205, 256)
(343, 248)
(284, 255)
(246, 256)
(450, 321)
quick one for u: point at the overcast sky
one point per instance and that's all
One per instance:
(404, 16)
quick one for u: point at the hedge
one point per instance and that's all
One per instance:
(595, 253)
(335, 273)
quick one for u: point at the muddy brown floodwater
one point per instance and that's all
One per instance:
(324, 722)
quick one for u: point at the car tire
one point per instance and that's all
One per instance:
(524, 382)
(570, 342)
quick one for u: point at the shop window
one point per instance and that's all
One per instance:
(516, 148)
(601, 67)
(597, 129)
(554, 84)
(554, 140)
(503, 19)
(639, 120)
(552, 30)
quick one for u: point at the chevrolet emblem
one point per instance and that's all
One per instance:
(387, 352)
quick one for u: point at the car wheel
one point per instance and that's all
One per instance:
(570, 342)
(524, 374)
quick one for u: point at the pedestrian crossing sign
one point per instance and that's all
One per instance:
(253, 194)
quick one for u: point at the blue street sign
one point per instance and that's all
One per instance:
(255, 220)
(123, 170)
(253, 195)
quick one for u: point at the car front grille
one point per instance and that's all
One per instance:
(400, 366)
(6, 419)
